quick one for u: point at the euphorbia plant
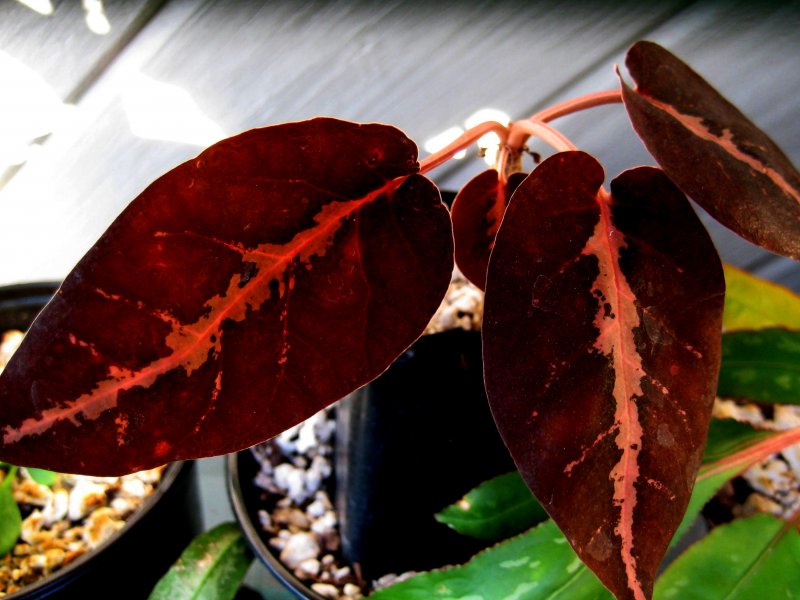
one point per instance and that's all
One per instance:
(284, 267)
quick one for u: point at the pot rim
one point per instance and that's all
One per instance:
(171, 473)
(39, 292)
(252, 533)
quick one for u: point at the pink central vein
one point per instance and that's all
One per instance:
(615, 340)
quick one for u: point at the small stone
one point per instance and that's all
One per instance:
(278, 543)
(328, 560)
(85, 496)
(326, 590)
(265, 520)
(135, 488)
(339, 575)
(300, 546)
(316, 509)
(309, 568)
(292, 480)
(352, 590)
(293, 517)
(325, 524)
(101, 525)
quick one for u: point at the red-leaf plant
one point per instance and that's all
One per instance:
(284, 267)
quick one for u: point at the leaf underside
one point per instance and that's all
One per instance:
(712, 151)
(601, 351)
(477, 213)
(236, 296)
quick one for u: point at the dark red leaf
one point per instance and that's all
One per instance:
(237, 295)
(712, 151)
(601, 351)
(477, 213)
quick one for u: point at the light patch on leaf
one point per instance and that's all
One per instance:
(521, 590)
(515, 564)
(574, 565)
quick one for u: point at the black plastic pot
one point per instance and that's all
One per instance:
(130, 563)
(408, 444)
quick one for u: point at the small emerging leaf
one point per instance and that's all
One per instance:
(755, 303)
(10, 519)
(750, 558)
(762, 365)
(712, 151)
(495, 510)
(42, 476)
(212, 567)
(477, 213)
(537, 565)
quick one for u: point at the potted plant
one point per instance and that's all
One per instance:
(84, 555)
(287, 266)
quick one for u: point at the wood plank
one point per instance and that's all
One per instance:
(61, 47)
(421, 66)
(414, 65)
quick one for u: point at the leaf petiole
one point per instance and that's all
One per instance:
(463, 141)
(580, 103)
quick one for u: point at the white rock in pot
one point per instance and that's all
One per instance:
(299, 547)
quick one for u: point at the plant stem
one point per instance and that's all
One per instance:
(463, 141)
(755, 453)
(577, 104)
(521, 130)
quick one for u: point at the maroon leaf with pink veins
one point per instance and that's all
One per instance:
(712, 151)
(236, 296)
(477, 213)
(601, 352)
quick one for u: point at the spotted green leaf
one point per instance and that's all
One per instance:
(212, 567)
(536, 565)
(10, 519)
(495, 510)
(732, 447)
(750, 558)
(761, 365)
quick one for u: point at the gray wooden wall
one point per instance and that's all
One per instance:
(220, 67)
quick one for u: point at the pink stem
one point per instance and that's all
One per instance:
(463, 141)
(578, 104)
(521, 130)
(753, 454)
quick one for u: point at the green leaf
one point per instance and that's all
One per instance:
(754, 303)
(724, 458)
(763, 366)
(10, 519)
(750, 558)
(495, 510)
(727, 437)
(212, 567)
(42, 476)
(704, 489)
(537, 565)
